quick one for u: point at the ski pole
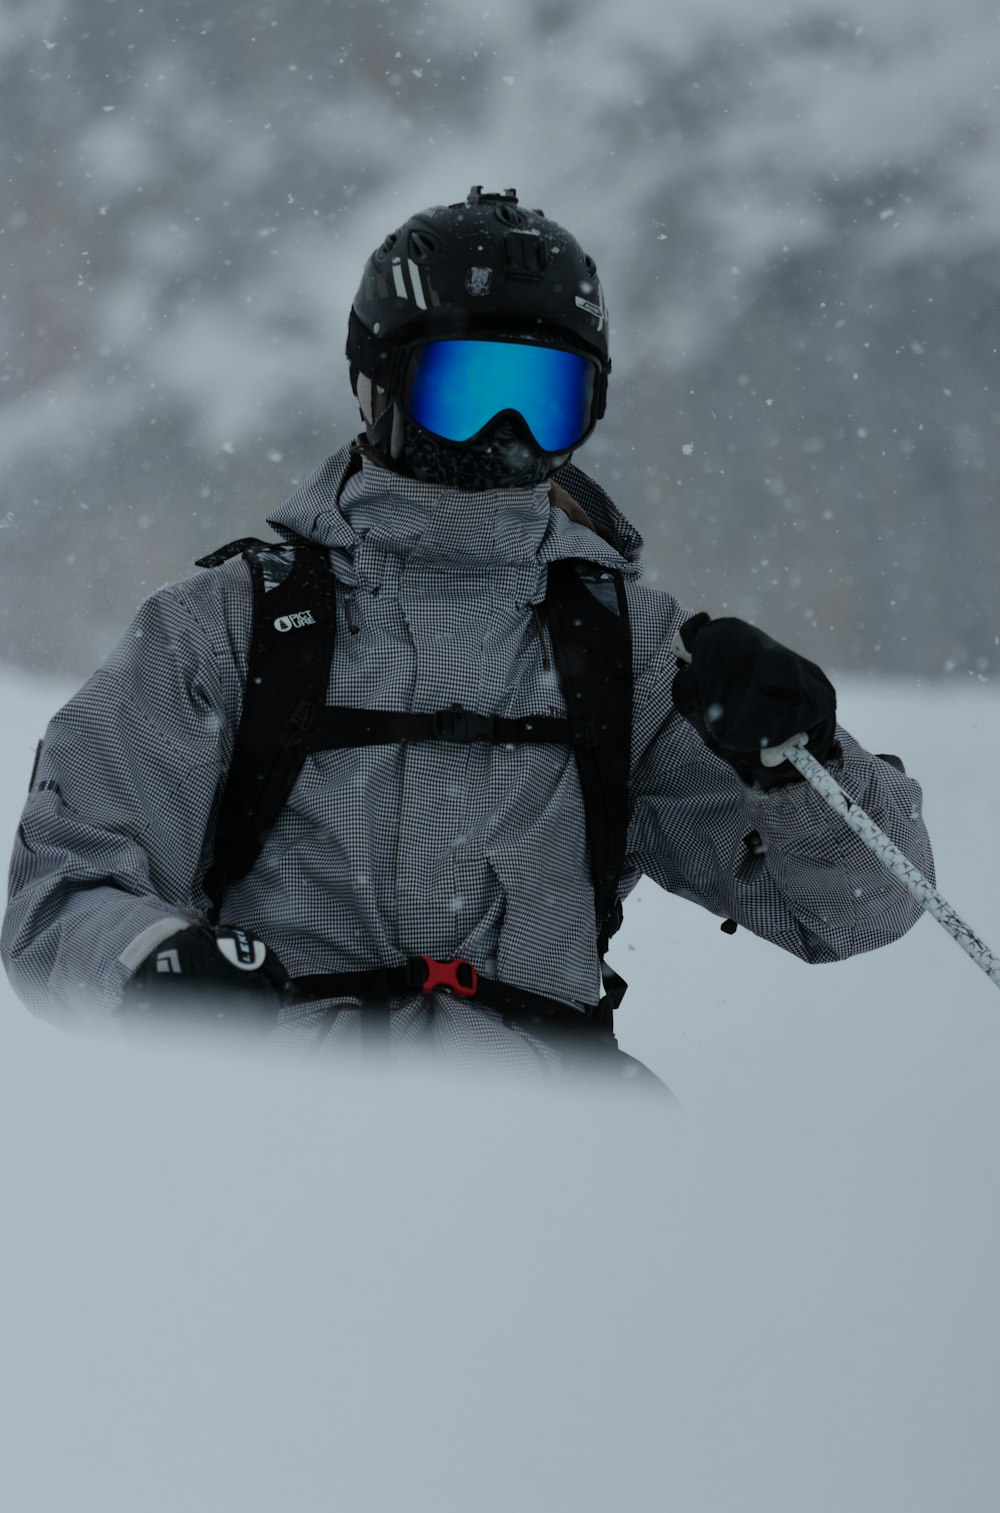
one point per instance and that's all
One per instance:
(922, 889)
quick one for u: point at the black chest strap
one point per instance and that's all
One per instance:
(339, 725)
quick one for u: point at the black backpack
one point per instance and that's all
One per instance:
(285, 717)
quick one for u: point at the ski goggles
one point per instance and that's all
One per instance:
(456, 388)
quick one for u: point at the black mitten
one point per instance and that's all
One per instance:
(744, 692)
(215, 973)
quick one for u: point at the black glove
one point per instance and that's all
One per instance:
(210, 973)
(744, 692)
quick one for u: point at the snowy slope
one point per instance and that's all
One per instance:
(229, 1285)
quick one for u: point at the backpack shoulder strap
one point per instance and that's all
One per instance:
(587, 613)
(288, 670)
(244, 544)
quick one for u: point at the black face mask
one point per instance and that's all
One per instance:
(505, 457)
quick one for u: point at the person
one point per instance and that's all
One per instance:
(386, 780)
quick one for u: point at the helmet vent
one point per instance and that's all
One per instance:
(510, 215)
(421, 246)
(388, 244)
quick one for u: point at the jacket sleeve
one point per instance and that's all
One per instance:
(781, 863)
(110, 847)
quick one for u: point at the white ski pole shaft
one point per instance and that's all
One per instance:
(922, 889)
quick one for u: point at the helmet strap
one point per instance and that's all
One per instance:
(386, 433)
(383, 421)
(382, 417)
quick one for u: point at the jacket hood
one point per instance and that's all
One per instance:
(314, 510)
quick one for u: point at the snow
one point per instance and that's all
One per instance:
(239, 1285)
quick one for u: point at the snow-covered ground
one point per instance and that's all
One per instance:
(230, 1285)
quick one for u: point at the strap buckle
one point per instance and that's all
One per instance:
(460, 977)
(459, 724)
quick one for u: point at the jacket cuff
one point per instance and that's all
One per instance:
(143, 944)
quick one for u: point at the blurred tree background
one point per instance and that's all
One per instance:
(794, 207)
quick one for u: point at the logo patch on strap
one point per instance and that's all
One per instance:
(294, 621)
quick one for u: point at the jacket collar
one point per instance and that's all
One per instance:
(314, 510)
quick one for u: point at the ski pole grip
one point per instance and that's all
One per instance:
(773, 756)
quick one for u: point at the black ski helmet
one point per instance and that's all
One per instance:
(486, 267)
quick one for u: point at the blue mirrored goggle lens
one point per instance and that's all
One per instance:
(455, 388)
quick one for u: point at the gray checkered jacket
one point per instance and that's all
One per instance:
(384, 852)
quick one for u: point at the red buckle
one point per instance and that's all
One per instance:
(445, 974)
